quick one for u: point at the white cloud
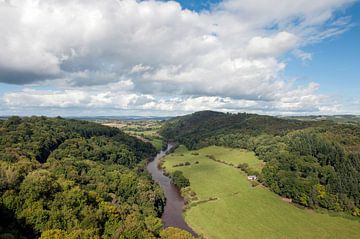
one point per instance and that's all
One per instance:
(295, 101)
(154, 54)
(278, 11)
(140, 68)
(302, 55)
(31, 98)
(272, 46)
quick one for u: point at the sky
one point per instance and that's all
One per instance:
(165, 58)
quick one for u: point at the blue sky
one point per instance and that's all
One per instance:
(335, 63)
(156, 58)
(198, 5)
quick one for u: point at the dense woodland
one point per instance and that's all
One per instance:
(75, 179)
(316, 163)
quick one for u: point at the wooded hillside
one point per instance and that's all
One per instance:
(75, 179)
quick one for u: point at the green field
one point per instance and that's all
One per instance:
(235, 157)
(242, 211)
(157, 144)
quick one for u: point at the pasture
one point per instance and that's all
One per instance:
(238, 210)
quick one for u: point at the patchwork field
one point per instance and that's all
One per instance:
(146, 130)
(238, 210)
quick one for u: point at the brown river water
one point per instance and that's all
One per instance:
(175, 204)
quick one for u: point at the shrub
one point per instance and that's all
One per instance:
(243, 166)
(254, 183)
(175, 233)
(179, 180)
(182, 164)
(210, 156)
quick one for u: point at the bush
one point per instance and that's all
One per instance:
(254, 183)
(179, 180)
(210, 156)
(243, 166)
(182, 164)
(175, 233)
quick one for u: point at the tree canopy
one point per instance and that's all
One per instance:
(64, 178)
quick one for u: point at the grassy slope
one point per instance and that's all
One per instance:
(236, 156)
(245, 212)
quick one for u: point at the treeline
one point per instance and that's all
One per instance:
(317, 164)
(75, 179)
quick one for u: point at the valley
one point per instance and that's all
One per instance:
(228, 176)
(179, 119)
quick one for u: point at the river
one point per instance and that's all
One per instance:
(172, 216)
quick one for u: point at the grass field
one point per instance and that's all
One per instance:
(235, 157)
(242, 211)
(157, 144)
(146, 130)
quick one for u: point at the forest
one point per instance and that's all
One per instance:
(315, 163)
(63, 178)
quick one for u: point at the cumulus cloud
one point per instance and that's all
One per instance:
(154, 54)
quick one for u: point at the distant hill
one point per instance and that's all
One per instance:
(123, 118)
(190, 129)
(346, 119)
(102, 118)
